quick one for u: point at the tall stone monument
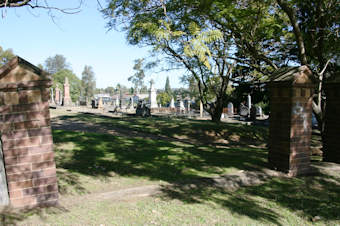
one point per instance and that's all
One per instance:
(249, 103)
(52, 96)
(172, 103)
(57, 95)
(201, 109)
(152, 95)
(230, 109)
(67, 99)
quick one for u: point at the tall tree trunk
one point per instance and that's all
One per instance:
(216, 110)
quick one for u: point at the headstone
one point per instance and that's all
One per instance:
(259, 111)
(249, 103)
(100, 103)
(201, 109)
(52, 97)
(181, 106)
(153, 95)
(67, 99)
(57, 95)
(117, 102)
(131, 103)
(230, 109)
(172, 103)
(142, 110)
(244, 111)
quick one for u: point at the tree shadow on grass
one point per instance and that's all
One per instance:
(100, 154)
(181, 163)
(196, 131)
(307, 197)
(10, 216)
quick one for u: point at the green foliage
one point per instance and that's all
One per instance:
(56, 63)
(138, 78)
(110, 90)
(164, 98)
(88, 82)
(5, 56)
(75, 83)
(167, 87)
(179, 32)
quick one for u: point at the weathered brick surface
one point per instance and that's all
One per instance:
(26, 136)
(290, 126)
(331, 149)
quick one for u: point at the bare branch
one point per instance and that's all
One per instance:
(35, 4)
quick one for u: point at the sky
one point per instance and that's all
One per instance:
(82, 38)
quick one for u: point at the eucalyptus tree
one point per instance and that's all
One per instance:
(56, 63)
(137, 79)
(178, 31)
(88, 81)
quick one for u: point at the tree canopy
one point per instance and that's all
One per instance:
(5, 56)
(88, 82)
(56, 63)
(75, 83)
(219, 41)
(137, 79)
(176, 30)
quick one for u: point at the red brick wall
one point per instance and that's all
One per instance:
(28, 144)
(290, 128)
(331, 149)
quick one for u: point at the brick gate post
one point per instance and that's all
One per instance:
(290, 128)
(26, 135)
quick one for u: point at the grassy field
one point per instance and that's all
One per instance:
(178, 156)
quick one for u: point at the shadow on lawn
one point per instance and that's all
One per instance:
(308, 197)
(10, 216)
(182, 164)
(197, 131)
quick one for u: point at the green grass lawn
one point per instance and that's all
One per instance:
(187, 151)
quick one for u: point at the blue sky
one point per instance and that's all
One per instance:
(82, 38)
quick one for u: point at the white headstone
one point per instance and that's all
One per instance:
(181, 105)
(259, 111)
(201, 109)
(152, 96)
(230, 109)
(117, 101)
(249, 103)
(172, 103)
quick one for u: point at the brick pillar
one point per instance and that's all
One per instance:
(26, 136)
(331, 149)
(290, 122)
